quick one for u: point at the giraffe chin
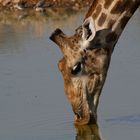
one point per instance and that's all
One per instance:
(88, 119)
(85, 116)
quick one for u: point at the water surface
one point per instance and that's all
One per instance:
(32, 101)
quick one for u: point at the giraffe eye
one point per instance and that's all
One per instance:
(77, 68)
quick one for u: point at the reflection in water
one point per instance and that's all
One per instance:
(87, 132)
(135, 118)
(38, 25)
(21, 19)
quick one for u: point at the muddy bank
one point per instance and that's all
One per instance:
(28, 16)
(18, 21)
(40, 5)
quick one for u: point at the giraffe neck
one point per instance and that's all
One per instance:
(112, 14)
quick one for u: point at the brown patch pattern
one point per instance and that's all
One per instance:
(118, 8)
(102, 19)
(123, 5)
(97, 12)
(111, 23)
(92, 8)
(107, 3)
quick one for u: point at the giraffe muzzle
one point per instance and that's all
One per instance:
(84, 113)
(88, 118)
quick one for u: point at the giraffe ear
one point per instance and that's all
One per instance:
(89, 30)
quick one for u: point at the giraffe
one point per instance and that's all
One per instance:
(87, 54)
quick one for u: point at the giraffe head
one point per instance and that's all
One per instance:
(85, 61)
(86, 54)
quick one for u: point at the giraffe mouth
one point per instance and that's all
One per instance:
(89, 119)
(84, 113)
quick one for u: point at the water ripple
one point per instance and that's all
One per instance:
(135, 118)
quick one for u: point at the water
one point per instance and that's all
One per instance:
(32, 101)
